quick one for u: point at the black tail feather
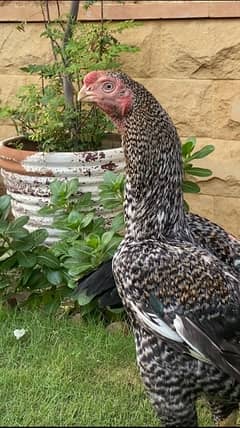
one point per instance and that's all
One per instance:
(111, 298)
(98, 281)
(224, 354)
(101, 284)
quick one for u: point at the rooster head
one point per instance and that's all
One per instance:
(109, 92)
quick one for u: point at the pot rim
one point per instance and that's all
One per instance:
(35, 163)
(4, 141)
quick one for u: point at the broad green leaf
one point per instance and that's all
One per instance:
(205, 151)
(81, 253)
(77, 269)
(58, 193)
(83, 299)
(109, 177)
(55, 186)
(48, 259)
(93, 240)
(72, 186)
(24, 244)
(97, 226)
(25, 276)
(38, 236)
(3, 226)
(8, 263)
(45, 211)
(37, 280)
(60, 247)
(55, 277)
(87, 219)
(62, 224)
(5, 203)
(118, 222)
(19, 233)
(85, 200)
(199, 172)
(71, 283)
(26, 259)
(74, 217)
(63, 188)
(106, 238)
(19, 222)
(113, 245)
(110, 200)
(190, 187)
(188, 146)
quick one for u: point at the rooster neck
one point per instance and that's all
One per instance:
(153, 198)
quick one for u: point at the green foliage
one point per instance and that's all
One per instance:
(26, 263)
(188, 155)
(87, 238)
(47, 113)
(111, 190)
(49, 274)
(111, 193)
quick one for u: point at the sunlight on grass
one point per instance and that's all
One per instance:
(63, 374)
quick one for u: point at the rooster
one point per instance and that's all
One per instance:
(182, 300)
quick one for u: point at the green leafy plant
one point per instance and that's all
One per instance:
(26, 264)
(32, 273)
(49, 114)
(188, 156)
(87, 238)
(111, 194)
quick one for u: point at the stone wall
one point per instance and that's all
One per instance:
(193, 68)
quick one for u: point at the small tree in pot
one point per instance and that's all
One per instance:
(50, 121)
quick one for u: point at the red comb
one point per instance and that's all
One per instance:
(91, 77)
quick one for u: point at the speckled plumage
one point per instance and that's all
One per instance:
(215, 239)
(160, 259)
(100, 283)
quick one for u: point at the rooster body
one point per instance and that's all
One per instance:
(182, 300)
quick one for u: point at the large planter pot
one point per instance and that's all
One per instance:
(27, 175)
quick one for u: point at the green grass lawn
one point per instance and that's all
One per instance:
(68, 374)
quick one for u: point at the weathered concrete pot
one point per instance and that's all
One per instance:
(27, 175)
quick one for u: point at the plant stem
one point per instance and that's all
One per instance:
(67, 83)
(102, 31)
(74, 8)
(47, 20)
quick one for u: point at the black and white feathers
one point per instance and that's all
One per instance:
(100, 284)
(198, 339)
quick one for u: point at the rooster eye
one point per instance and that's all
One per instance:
(108, 87)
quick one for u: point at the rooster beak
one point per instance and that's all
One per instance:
(84, 94)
